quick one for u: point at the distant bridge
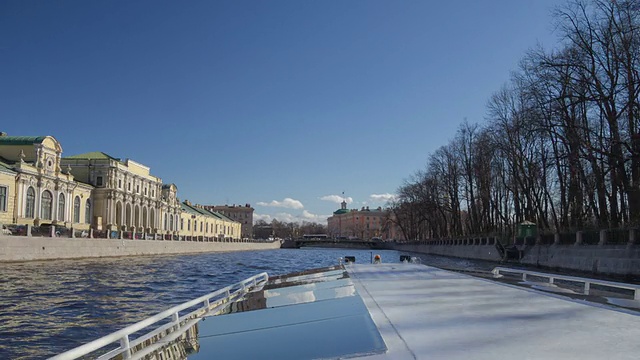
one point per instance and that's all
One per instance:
(333, 243)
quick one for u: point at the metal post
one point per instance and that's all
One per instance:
(175, 318)
(587, 287)
(603, 237)
(124, 344)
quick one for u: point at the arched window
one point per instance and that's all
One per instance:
(87, 212)
(61, 206)
(46, 205)
(171, 222)
(164, 225)
(31, 203)
(76, 209)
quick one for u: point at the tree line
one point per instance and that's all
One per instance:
(560, 145)
(284, 230)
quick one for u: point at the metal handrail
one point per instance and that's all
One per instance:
(122, 336)
(586, 281)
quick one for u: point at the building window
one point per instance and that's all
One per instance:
(76, 210)
(99, 181)
(164, 226)
(153, 193)
(207, 228)
(181, 223)
(61, 206)
(137, 189)
(145, 191)
(119, 183)
(129, 186)
(45, 207)
(87, 212)
(171, 223)
(201, 226)
(188, 224)
(3, 198)
(31, 203)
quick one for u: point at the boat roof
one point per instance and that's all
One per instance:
(309, 315)
(413, 311)
(424, 312)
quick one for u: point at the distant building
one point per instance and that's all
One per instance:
(361, 224)
(195, 220)
(241, 214)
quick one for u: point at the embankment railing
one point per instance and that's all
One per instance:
(498, 271)
(211, 303)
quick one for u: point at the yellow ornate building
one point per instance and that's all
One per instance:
(198, 221)
(126, 196)
(35, 190)
(242, 214)
(95, 190)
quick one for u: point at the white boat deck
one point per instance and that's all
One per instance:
(427, 313)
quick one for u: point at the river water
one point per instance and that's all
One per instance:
(52, 306)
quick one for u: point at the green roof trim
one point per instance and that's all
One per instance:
(224, 217)
(96, 155)
(21, 140)
(194, 210)
(6, 167)
(340, 211)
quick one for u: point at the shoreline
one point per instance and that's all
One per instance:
(15, 249)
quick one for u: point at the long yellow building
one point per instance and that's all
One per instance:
(95, 191)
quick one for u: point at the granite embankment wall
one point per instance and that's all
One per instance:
(569, 253)
(22, 248)
(479, 250)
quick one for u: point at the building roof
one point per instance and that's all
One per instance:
(222, 216)
(6, 166)
(340, 211)
(198, 211)
(21, 140)
(190, 209)
(95, 155)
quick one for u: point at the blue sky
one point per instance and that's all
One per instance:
(281, 104)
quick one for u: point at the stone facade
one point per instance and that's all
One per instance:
(126, 196)
(361, 224)
(196, 220)
(242, 214)
(95, 190)
(42, 192)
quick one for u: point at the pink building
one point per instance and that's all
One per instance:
(360, 224)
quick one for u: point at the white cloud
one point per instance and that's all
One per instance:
(288, 203)
(285, 217)
(382, 197)
(307, 216)
(265, 217)
(292, 218)
(337, 199)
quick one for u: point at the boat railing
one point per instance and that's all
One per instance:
(585, 281)
(212, 303)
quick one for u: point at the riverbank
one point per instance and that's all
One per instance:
(602, 260)
(23, 248)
